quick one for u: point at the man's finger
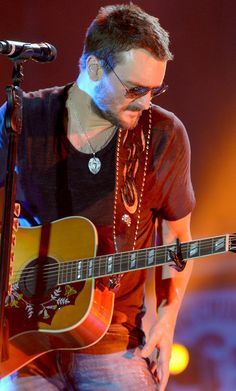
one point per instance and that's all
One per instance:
(17, 209)
(15, 224)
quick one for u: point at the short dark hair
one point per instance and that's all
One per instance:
(119, 28)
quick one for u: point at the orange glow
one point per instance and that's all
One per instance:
(179, 359)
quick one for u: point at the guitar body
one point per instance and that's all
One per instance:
(42, 313)
(55, 304)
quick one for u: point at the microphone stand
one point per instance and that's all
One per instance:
(14, 126)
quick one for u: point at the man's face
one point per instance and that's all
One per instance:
(138, 69)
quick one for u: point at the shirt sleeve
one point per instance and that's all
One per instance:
(173, 171)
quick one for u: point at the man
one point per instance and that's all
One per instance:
(100, 149)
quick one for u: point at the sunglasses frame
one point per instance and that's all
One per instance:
(138, 92)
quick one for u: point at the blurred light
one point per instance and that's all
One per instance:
(179, 359)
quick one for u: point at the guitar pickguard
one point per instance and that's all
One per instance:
(32, 313)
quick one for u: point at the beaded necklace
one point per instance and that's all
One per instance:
(114, 280)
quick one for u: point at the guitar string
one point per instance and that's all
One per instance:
(72, 275)
(71, 266)
(125, 257)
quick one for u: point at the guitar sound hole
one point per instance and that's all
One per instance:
(39, 277)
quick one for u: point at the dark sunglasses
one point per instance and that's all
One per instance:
(137, 92)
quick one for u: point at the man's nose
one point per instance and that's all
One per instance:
(144, 101)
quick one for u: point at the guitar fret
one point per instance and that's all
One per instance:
(96, 270)
(160, 256)
(168, 252)
(132, 261)
(206, 247)
(124, 262)
(102, 266)
(84, 270)
(219, 244)
(117, 263)
(150, 257)
(141, 259)
(109, 264)
(90, 268)
(60, 273)
(78, 270)
(63, 274)
(193, 249)
(71, 274)
(184, 251)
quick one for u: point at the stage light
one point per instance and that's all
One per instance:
(179, 359)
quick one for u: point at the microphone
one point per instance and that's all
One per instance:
(40, 52)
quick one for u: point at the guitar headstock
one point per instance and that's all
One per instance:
(232, 242)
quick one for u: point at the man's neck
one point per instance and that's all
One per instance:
(85, 123)
(90, 117)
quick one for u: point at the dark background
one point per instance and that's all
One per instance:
(201, 91)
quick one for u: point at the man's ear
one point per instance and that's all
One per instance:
(94, 68)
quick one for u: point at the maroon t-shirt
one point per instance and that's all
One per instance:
(53, 182)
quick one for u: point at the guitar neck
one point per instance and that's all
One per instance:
(101, 266)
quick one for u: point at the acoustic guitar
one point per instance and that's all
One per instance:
(55, 302)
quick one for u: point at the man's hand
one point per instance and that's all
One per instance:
(161, 334)
(158, 350)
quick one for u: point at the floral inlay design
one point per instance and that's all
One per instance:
(59, 297)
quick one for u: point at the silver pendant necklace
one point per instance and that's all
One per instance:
(94, 163)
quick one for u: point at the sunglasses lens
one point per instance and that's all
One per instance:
(159, 91)
(138, 92)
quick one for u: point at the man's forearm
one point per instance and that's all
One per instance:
(175, 282)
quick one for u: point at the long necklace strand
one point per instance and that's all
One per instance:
(147, 145)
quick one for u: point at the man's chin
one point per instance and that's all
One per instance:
(128, 120)
(124, 124)
(132, 120)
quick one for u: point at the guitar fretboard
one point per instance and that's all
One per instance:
(83, 269)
